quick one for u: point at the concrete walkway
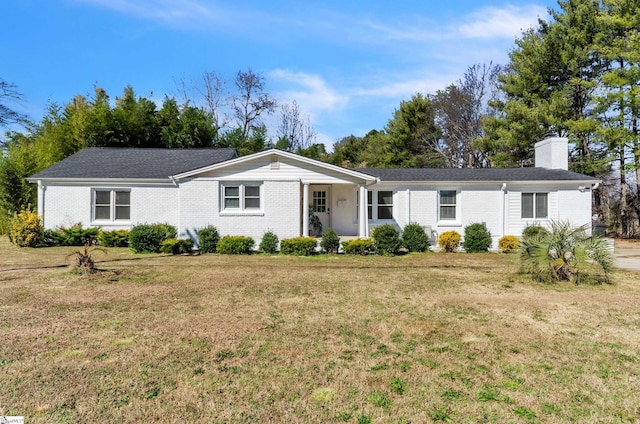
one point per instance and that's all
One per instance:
(627, 254)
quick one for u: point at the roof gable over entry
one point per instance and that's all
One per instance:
(281, 165)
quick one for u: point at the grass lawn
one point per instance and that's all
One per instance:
(221, 339)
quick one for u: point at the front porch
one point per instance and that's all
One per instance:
(336, 206)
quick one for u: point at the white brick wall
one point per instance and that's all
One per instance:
(67, 205)
(200, 206)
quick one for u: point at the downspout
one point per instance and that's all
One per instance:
(408, 217)
(175, 183)
(41, 190)
(503, 208)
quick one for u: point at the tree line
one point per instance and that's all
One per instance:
(575, 74)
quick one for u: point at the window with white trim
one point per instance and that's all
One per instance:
(379, 204)
(535, 205)
(241, 197)
(385, 205)
(448, 201)
(111, 205)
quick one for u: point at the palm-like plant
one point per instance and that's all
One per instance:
(566, 253)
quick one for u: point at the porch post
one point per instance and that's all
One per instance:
(362, 213)
(305, 210)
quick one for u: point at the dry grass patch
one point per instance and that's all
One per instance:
(419, 338)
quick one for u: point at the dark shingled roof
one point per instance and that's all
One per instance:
(474, 174)
(112, 162)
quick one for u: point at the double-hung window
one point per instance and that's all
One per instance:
(385, 205)
(448, 205)
(111, 205)
(535, 205)
(379, 204)
(238, 197)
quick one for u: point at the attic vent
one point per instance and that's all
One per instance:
(275, 164)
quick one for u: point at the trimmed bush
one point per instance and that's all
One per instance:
(177, 246)
(26, 229)
(115, 238)
(358, 247)
(168, 231)
(148, 238)
(449, 241)
(299, 246)
(386, 239)
(507, 244)
(208, 238)
(534, 231)
(72, 236)
(235, 245)
(269, 243)
(330, 242)
(414, 238)
(477, 238)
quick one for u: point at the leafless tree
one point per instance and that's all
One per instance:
(9, 94)
(460, 110)
(209, 94)
(251, 102)
(294, 130)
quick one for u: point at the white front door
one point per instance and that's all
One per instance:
(321, 204)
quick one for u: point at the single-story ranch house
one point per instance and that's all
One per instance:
(116, 188)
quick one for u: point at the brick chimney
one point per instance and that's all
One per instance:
(552, 153)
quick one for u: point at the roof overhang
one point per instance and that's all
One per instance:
(466, 183)
(102, 181)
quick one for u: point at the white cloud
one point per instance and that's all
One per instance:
(405, 86)
(508, 22)
(310, 91)
(178, 13)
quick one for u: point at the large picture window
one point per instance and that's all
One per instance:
(111, 205)
(535, 205)
(241, 197)
(448, 205)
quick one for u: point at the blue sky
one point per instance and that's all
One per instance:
(347, 63)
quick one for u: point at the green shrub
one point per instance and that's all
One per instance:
(177, 246)
(414, 238)
(508, 244)
(235, 245)
(566, 253)
(330, 242)
(449, 241)
(5, 222)
(115, 238)
(168, 231)
(386, 239)
(532, 231)
(477, 238)
(269, 243)
(148, 238)
(26, 229)
(299, 246)
(72, 236)
(208, 238)
(358, 246)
